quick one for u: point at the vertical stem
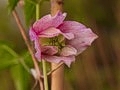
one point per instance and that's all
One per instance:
(45, 74)
(56, 5)
(43, 61)
(57, 77)
(23, 33)
(37, 12)
(37, 17)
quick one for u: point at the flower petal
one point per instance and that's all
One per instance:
(32, 35)
(38, 49)
(56, 59)
(68, 26)
(49, 21)
(35, 38)
(68, 60)
(68, 36)
(84, 40)
(50, 32)
(68, 51)
(49, 50)
(83, 37)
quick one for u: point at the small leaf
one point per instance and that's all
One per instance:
(7, 57)
(29, 11)
(12, 4)
(32, 1)
(27, 59)
(36, 1)
(20, 77)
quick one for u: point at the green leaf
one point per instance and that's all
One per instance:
(29, 11)
(27, 58)
(33, 1)
(36, 1)
(20, 77)
(12, 4)
(7, 57)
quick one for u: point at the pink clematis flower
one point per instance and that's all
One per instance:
(57, 40)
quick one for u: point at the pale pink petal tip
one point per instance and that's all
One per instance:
(64, 14)
(57, 59)
(68, 51)
(50, 32)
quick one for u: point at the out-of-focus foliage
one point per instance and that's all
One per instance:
(34, 1)
(7, 57)
(29, 10)
(20, 77)
(10, 59)
(18, 65)
(29, 7)
(12, 4)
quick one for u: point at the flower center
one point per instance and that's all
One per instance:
(58, 41)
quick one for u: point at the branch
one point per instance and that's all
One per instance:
(59, 65)
(23, 33)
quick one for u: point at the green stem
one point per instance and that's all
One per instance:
(43, 61)
(37, 11)
(45, 74)
(13, 53)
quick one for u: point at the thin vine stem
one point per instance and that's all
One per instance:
(43, 61)
(23, 33)
(59, 65)
(37, 11)
(45, 74)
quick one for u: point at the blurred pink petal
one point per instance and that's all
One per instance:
(50, 32)
(49, 21)
(49, 50)
(68, 51)
(32, 35)
(57, 59)
(69, 35)
(38, 50)
(83, 37)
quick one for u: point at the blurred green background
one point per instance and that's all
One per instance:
(97, 68)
